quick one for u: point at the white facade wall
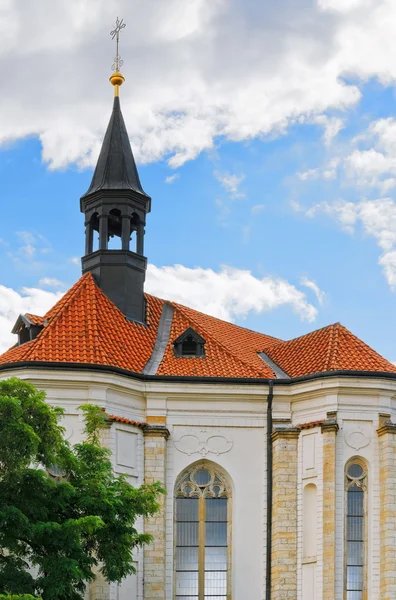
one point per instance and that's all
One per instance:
(227, 425)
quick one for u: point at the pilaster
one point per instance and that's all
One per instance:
(329, 429)
(100, 589)
(155, 437)
(387, 460)
(284, 513)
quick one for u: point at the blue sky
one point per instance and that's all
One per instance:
(273, 182)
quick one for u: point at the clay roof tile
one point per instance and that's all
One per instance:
(84, 326)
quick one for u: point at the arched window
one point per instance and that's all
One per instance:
(202, 535)
(355, 529)
(114, 229)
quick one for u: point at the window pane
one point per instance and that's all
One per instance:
(216, 534)
(216, 509)
(354, 578)
(354, 596)
(215, 559)
(186, 583)
(355, 528)
(215, 583)
(187, 559)
(187, 509)
(187, 534)
(355, 471)
(355, 553)
(355, 503)
(202, 477)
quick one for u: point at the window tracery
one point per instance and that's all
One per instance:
(202, 536)
(355, 529)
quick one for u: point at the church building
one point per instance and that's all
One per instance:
(278, 457)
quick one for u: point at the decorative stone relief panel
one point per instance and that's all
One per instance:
(126, 448)
(127, 590)
(357, 438)
(309, 581)
(203, 441)
(74, 427)
(309, 452)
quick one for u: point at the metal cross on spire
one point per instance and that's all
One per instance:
(116, 34)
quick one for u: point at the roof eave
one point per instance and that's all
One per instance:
(195, 379)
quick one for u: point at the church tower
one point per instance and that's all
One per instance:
(116, 206)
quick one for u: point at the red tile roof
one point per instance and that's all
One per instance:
(310, 425)
(86, 327)
(35, 319)
(140, 424)
(333, 348)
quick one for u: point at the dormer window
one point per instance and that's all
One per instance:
(27, 327)
(189, 345)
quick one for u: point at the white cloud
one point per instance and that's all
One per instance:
(230, 183)
(320, 295)
(378, 219)
(27, 237)
(370, 164)
(257, 209)
(343, 212)
(371, 168)
(373, 162)
(75, 260)
(233, 294)
(196, 71)
(13, 303)
(329, 171)
(28, 251)
(51, 282)
(172, 178)
(388, 262)
(332, 126)
(344, 6)
(32, 243)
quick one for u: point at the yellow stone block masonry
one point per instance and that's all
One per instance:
(155, 436)
(329, 432)
(284, 514)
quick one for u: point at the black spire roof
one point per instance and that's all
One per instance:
(116, 168)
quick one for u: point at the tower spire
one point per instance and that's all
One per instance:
(115, 206)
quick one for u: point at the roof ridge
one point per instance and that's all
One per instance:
(216, 341)
(333, 347)
(299, 337)
(59, 307)
(183, 306)
(342, 327)
(54, 311)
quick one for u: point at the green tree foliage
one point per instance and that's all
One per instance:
(55, 531)
(18, 597)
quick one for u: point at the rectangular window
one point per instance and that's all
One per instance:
(187, 548)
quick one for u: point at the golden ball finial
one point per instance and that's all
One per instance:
(117, 79)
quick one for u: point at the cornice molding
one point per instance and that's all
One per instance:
(285, 433)
(385, 425)
(156, 431)
(330, 424)
(388, 428)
